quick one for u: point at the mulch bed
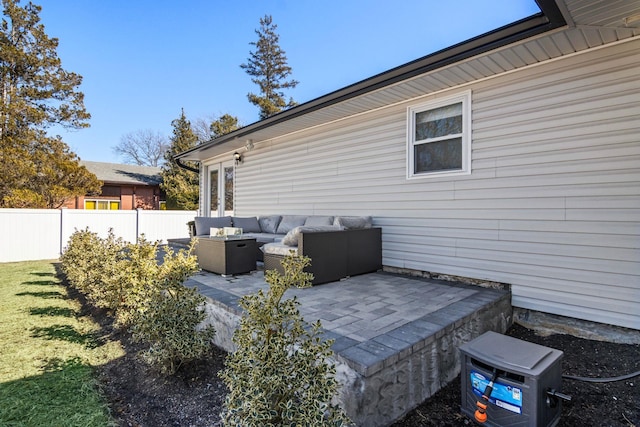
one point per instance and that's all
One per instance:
(141, 397)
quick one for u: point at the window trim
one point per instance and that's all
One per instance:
(412, 111)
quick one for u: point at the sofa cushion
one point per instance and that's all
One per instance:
(291, 238)
(204, 223)
(353, 222)
(318, 220)
(289, 222)
(269, 223)
(279, 249)
(248, 225)
(264, 237)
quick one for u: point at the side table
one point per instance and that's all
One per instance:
(226, 255)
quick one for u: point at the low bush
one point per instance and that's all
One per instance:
(92, 266)
(77, 258)
(280, 373)
(170, 321)
(107, 261)
(143, 294)
(170, 326)
(136, 282)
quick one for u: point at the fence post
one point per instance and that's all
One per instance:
(63, 215)
(138, 215)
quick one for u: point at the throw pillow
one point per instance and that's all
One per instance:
(269, 223)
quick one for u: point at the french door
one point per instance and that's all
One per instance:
(221, 189)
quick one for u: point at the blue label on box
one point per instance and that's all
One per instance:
(503, 395)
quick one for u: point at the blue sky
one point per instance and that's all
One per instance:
(144, 60)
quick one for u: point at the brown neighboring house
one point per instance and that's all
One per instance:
(124, 187)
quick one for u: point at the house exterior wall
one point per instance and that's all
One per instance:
(130, 197)
(134, 197)
(552, 205)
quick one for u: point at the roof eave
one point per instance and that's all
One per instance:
(549, 19)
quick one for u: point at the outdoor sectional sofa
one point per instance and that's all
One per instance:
(339, 247)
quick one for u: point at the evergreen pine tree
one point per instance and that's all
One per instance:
(180, 185)
(37, 170)
(269, 70)
(223, 125)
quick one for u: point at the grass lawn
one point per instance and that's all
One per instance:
(48, 352)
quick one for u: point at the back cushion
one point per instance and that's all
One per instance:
(319, 220)
(353, 222)
(248, 225)
(289, 222)
(291, 238)
(204, 223)
(269, 223)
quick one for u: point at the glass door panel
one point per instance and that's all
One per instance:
(214, 199)
(228, 190)
(221, 189)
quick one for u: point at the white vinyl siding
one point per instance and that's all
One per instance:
(552, 205)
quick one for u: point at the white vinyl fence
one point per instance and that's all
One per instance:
(33, 234)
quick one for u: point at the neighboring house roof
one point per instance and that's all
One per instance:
(115, 173)
(563, 27)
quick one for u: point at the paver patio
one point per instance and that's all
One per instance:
(396, 337)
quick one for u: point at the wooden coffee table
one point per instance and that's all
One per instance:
(226, 255)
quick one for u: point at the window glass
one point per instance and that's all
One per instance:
(90, 204)
(213, 185)
(228, 189)
(439, 155)
(439, 122)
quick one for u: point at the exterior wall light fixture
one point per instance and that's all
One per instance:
(237, 157)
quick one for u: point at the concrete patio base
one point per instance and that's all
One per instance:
(396, 337)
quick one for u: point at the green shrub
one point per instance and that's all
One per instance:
(136, 281)
(143, 294)
(168, 320)
(280, 374)
(105, 269)
(77, 258)
(93, 266)
(170, 327)
(89, 262)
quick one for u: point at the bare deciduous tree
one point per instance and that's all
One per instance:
(210, 127)
(142, 147)
(201, 127)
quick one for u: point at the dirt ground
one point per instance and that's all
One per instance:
(140, 397)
